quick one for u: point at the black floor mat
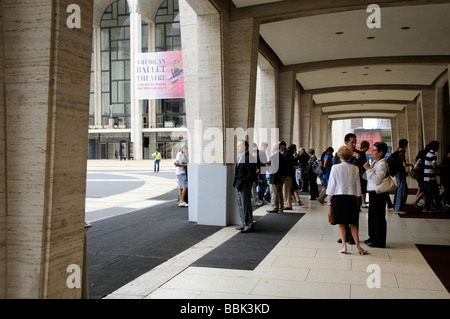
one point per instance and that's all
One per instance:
(246, 250)
(122, 248)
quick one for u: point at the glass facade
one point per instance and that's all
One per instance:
(110, 107)
(115, 63)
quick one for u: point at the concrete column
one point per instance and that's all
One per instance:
(286, 102)
(265, 111)
(2, 164)
(220, 60)
(315, 140)
(241, 68)
(136, 105)
(265, 115)
(202, 51)
(296, 120)
(413, 130)
(429, 114)
(394, 131)
(306, 103)
(46, 101)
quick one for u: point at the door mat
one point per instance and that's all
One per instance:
(438, 257)
(412, 212)
(246, 250)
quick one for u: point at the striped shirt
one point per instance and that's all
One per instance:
(429, 173)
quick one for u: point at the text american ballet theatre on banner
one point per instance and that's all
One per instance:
(159, 75)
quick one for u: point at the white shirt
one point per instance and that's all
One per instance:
(344, 180)
(375, 174)
(182, 159)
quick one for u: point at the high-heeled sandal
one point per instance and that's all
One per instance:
(363, 252)
(343, 251)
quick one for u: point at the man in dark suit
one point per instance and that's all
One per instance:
(277, 175)
(245, 172)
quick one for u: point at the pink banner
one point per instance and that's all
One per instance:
(159, 75)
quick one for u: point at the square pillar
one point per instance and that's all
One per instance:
(46, 67)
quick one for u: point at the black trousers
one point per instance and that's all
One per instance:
(377, 218)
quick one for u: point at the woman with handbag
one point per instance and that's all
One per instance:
(375, 174)
(344, 189)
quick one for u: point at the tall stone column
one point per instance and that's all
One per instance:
(46, 68)
(201, 34)
(306, 104)
(286, 98)
(429, 115)
(2, 165)
(413, 131)
(136, 105)
(266, 129)
(220, 70)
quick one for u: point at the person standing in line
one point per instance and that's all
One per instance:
(375, 173)
(245, 172)
(401, 194)
(157, 157)
(314, 190)
(445, 178)
(290, 176)
(344, 189)
(181, 164)
(350, 143)
(303, 159)
(430, 179)
(262, 179)
(326, 162)
(361, 159)
(277, 175)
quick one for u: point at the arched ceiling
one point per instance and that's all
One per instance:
(353, 70)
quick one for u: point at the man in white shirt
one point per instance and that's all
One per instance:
(429, 177)
(181, 164)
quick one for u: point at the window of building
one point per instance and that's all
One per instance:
(169, 113)
(115, 61)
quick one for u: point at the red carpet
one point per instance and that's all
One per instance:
(438, 257)
(413, 212)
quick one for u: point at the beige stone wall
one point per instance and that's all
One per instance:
(2, 166)
(47, 73)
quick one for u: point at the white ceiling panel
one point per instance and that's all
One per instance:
(314, 38)
(370, 75)
(369, 95)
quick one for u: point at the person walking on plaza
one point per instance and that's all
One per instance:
(244, 175)
(430, 179)
(157, 159)
(277, 174)
(374, 174)
(181, 164)
(344, 189)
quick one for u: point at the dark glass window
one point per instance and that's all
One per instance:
(115, 61)
(169, 113)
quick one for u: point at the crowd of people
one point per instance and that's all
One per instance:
(346, 178)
